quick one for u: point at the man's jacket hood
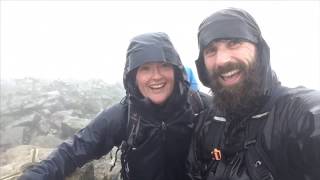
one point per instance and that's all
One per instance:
(148, 48)
(234, 23)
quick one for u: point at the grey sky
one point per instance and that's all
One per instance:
(88, 39)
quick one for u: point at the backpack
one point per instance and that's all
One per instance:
(251, 162)
(197, 105)
(251, 157)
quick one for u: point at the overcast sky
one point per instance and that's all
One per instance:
(88, 39)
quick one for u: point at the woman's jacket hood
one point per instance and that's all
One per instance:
(148, 48)
(234, 23)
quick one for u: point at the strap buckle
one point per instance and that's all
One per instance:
(216, 154)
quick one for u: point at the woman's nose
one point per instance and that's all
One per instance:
(156, 73)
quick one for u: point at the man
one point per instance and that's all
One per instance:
(260, 129)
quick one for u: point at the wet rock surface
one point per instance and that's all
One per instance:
(37, 115)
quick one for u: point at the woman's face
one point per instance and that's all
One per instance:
(155, 81)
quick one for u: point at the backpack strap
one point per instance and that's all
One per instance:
(258, 162)
(196, 102)
(132, 124)
(132, 127)
(131, 132)
(199, 105)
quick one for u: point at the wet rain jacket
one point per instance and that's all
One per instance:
(278, 141)
(160, 148)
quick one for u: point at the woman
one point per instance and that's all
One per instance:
(153, 123)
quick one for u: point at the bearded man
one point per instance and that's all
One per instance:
(260, 130)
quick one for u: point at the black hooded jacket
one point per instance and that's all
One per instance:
(288, 134)
(159, 150)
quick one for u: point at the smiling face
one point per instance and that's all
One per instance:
(227, 61)
(234, 74)
(155, 81)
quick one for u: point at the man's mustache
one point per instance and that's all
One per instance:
(229, 66)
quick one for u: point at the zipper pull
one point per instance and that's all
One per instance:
(163, 126)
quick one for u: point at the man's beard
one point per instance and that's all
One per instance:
(242, 98)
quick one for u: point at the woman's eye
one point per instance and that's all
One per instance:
(144, 68)
(166, 65)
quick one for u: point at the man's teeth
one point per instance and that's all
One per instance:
(157, 86)
(230, 73)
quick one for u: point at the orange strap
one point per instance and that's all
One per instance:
(216, 154)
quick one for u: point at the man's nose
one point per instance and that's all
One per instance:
(222, 56)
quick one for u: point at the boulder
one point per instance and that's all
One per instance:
(15, 160)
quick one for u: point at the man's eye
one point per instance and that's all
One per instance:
(234, 43)
(210, 51)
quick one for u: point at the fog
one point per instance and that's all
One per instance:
(88, 39)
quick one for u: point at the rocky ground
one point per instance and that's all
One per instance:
(37, 115)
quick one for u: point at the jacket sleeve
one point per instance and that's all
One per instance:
(297, 123)
(91, 142)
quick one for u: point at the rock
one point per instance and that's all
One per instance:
(102, 166)
(15, 160)
(71, 125)
(48, 141)
(44, 113)
(11, 137)
(84, 173)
